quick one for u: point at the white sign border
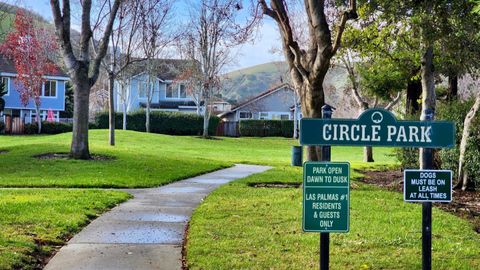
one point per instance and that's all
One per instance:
(420, 170)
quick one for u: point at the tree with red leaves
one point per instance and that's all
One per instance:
(28, 47)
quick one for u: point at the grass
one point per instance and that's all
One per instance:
(241, 227)
(34, 221)
(237, 227)
(142, 160)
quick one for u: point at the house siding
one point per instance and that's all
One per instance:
(12, 100)
(277, 103)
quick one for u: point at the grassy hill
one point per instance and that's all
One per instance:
(248, 82)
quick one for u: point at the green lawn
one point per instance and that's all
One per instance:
(142, 160)
(242, 227)
(237, 227)
(34, 221)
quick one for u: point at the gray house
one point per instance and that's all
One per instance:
(277, 103)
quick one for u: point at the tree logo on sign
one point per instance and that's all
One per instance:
(377, 117)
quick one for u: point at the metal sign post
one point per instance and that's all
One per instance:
(426, 163)
(325, 237)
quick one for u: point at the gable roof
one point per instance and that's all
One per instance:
(165, 69)
(6, 65)
(260, 96)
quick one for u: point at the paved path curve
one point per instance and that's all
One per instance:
(145, 232)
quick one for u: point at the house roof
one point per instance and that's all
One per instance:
(169, 105)
(6, 65)
(166, 69)
(260, 96)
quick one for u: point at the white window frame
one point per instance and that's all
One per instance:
(242, 118)
(139, 84)
(7, 85)
(43, 89)
(176, 91)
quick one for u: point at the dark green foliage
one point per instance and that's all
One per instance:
(3, 91)
(2, 127)
(48, 128)
(172, 123)
(456, 111)
(68, 113)
(266, 128)
(408, 157)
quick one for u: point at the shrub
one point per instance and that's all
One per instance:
(55, 127)
(48, 128)
(171, 123)
(266, 128)
(2, 127)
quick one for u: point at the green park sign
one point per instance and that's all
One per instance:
(427, 186)
(377, 127)
(326, 197)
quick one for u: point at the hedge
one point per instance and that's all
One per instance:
(48, 128)
(171, 123)
(266, 128)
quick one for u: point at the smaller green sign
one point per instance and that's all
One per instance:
(427, 186)
(326, 196)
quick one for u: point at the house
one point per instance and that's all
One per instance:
(169, 93)
(52, 95)
(219, 106)
(273, 104)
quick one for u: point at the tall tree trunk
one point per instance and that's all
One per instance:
(368, 154)
(81, 96)
(206, 118)
(147, 118)
(452, 87)
(428, 92)
(295, 121)
(462, 177)
(312, 104)
(124, 109)
(111, 108)
(414, 91)
(38, 118)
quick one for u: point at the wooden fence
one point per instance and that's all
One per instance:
(229, 129)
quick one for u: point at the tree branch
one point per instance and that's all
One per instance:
(349, 14)
(394, 101)
(62, 25)
(104, 43)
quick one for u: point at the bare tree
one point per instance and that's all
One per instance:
(123, 42)
(213, 28)
(347, 59)
(82, 68)
(463, 176)
(154, 19)
(308, 66)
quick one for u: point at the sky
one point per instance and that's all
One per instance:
(249, 54)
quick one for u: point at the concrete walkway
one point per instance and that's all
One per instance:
(147, 231)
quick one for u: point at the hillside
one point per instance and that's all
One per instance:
(248, 82)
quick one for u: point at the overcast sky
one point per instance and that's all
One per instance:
(247, 55)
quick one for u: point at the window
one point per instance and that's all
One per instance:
(5, 81)
(142, 89)
(263, 115)
(169, 91)
(245, 115)
(183, 91)
(50, 89)
(285, 117)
